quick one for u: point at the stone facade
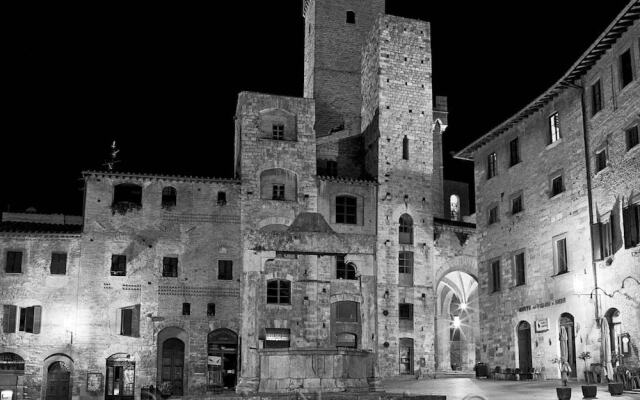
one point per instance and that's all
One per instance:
(524, 323)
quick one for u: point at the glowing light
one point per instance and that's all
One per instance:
(463, 306)
(456, 322)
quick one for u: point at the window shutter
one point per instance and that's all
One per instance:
(37, 317)
(596, 242)
(9, 318)
(630, 228)
(616, 233)
(118, 327)
(135, 321)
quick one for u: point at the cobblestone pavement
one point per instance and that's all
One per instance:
(458, 388)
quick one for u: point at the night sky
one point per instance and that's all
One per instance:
(163, 82)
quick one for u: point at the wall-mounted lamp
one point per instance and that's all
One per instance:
(424, 297)
(386, 295)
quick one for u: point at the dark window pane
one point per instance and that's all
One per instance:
(14, 262)
(596, 97)
(495, 276)
(225, 270)
(170, 267)
(601, 160)
(520, 275)
(347, 311)
(626, 68)
(557, 186)
(405, 262)
(346, 210)
(561, 255)
(351, 17)
(168, 197)
(405, 148)
(514, 152)
(632, 137)
(211, 310)
(58, 263)
(126, 321)
(186, 308)
(406, 311)
(492, 162)
(118, 265)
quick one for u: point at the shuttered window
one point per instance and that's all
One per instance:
(519, 265)
(631, 221)
(14, 262)
(128, 319)
(495, 276)
(9, 315)
(30, 318)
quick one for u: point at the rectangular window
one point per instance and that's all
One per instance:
(632, 137)
(9, 318)
(495, 276)
(493, 215)
(631, 222)
(554, 128)
(225, 270)
(186, 308)
(492, 162)
(278, 291)
(625, 68)
(557, 186)
(58, 263)
(332, 168)
(518, 260)
(601, 160)
(222, 198)
(406, 311)
(277, 338)
(596, 97)
(211, 310)
(14, 262)
(170, 267)
(516, 204)
(118, 265)
(560, 255)
(605, 238)
(278, 192)
(514, 152)
(30, 318)
(405, 262)
(346, 210)
(129, 321)
(278, 131)
(346, 311)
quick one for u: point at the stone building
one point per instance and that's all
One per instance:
(557, 200)
(333, 258)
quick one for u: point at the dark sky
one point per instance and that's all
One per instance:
(163, 82)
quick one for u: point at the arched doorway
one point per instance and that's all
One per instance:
(121, 377)
(11, 367)
(58, 381)
(568, 341)
(615, 329)
(222, 360)
(524, 346)
(173, 364)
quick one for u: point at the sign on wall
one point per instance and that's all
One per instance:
(94, 382)
(542, 325)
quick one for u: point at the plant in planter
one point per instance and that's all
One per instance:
(165, 389)
(588, 391)
(563, 392)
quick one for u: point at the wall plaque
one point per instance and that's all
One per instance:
(94, 382)
(542, 325)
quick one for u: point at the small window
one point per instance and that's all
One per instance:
(14, 262)
(554, 128)
(186, 308)
(346, 210)
(278, 192)
(496, 279)
(596, 97)
(518, 260)
(211, 310)
(632, 137)
(405, 311)
(454, 207)
(557, 185)
(405, 262)
(58, 263)
(601, 160)
(277, 338)
(222, 198)
(332, 168)
(346, 339)
(346, 311)
(492, 161)
(405, 148)
(516, 204)
(168, 197)
(118, 265)
(606, 238)
(344, 270)
(225, 270)
(493, 215)
(625, 68)
(560, 255)
(631, 222)
(278, 291)
(278, 131)
(514, 152)
(129, 320)
(170, 267)
(30, 318)
(405, 230)
(351, 17)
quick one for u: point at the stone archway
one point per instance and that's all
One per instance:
(457, 324)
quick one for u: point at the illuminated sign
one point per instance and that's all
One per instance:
(6, 395)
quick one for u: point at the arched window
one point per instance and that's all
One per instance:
(347, 339)
(346, 210)
(11, 362)
(345, 270)
(405, 232)
(278, 291)
(168, 197)
(278, 184)
(614, 322)
(405, 148)
(454, 204)
(351, 17)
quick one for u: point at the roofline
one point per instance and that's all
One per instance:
(619, 25)
(185, 178)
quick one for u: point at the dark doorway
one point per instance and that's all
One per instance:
(173, 364)
(11, 367)
(524, 346)
(566, 321)
(222, 360)
(58, 379)
(120, 381)
(406, 356)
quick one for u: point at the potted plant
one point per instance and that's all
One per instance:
(563, 392)
(166, 389)
(588, 391)
(615, 388)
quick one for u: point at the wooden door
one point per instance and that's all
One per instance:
(58, 379)
(524, 346)
(173, 364)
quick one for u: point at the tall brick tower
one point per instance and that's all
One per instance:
(397, 121)
(335, 31)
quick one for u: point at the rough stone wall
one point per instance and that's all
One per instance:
(403, 83)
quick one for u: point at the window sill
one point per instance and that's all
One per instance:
(274, 305)
(557, 195)
(553, 144)
(516, 164)
(633, 149)
(14, 273)
(560, 274)
(603, 169)
(520, 285)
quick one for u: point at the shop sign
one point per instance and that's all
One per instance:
(542, 305)
(542, 325)
(214, 360)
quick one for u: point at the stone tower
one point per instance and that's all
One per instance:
(335, 33)
(398, 123)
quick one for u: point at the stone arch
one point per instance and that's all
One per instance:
(274, 221)
(222, 345)
(271, 177)
(49, 362)
(168, 334)
(270, 117)
(465, 264)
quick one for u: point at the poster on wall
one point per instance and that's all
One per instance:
(94, 382)
(214, 360)
(542, 325)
